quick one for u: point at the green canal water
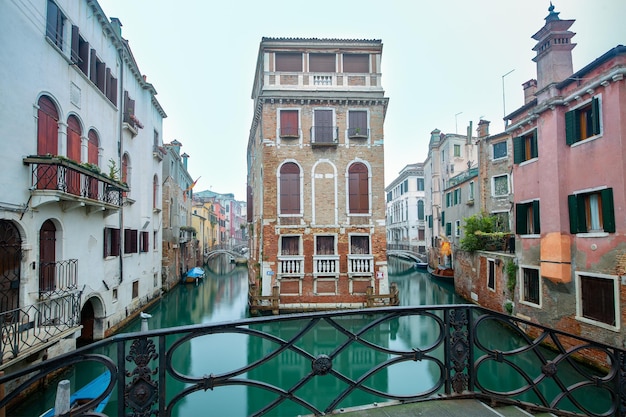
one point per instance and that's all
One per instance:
(222, 297)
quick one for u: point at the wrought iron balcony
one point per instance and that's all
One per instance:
(358, 133)
(57, 179)
(324, 135)
(56, 278)
(465, 347)
(31, 328)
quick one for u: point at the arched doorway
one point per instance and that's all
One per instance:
(10, 266)
(92, 319)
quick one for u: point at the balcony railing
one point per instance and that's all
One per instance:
(361, 265)
(290, 266)
(464, 347)
(58, 179)
(24, 329)
(358, 133)
(324, 135)
(58, 277)
(289, 132)
(315, 80)
(326, 265)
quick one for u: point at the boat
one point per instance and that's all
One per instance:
(443, 273)
(421, 264)
(194, 275)
(87, 393)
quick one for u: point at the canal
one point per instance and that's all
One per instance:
(222, 297)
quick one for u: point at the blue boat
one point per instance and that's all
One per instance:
(194, 275)
(87, 393)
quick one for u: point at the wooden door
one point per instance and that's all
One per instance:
(47, 142)
(47, 257)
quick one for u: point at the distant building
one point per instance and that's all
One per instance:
(406, 216)
(80, 219)
(231, 218)
(569, 147)
(316, 202)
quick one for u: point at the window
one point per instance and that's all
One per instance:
(130, 241)
(325, 245)
(525, 147)
(597, 299)
(457, 228)
(93, 142)
(135, 289)
(155, 192)
(358, 189)
(322, 63)
(420, 209)
(289, 61)
(592, 212)
(471, 191)
(359, 245)
(420, 184)
(501, 221)
(448, 229)
(527, 218)
(499, 150)
(290, 245)
(531, 286)
(357, 63)
(357, 124)
(54, 24)
(155, 235)
(289, 126)
(111, 242)
(80, 51)
(457, 151)
(583, 122)
(74, 133)
(47, 127)
(289, 188)
(323, 130)
(491, 274)
(500, 186)
(144, 242)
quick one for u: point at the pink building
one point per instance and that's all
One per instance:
(569, 141)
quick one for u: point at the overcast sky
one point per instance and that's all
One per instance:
(443, 64)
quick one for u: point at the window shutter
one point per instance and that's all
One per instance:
(570, 127)
(608, 211)
(521, 214)
(448, 229)
(74, 43)
(518, 149)
(430, 221)
(443, 218)
(595, 116)
(572, 204)
(92, 66)
(534, 150)
(536, 218)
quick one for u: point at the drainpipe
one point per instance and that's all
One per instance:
(120, 151)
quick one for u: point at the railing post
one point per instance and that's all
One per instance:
(62, 401)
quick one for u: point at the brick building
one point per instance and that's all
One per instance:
(316, 200)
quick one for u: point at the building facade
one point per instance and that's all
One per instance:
(315, 173)
(80, 237)
(406, 216)
(569, 148)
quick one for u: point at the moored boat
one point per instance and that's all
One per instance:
(194, 275)
(421, 264)
(87, 393)
(442, 272)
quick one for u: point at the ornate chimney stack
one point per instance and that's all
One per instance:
(554, 50)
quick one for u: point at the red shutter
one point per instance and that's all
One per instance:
(47, 256)
(289, 123)
(47, 142)
(72, 177)
(290, 189)
(358, 182)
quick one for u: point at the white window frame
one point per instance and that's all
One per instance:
(493, 186)
(616, 296)
(520, 276)
(506, 147)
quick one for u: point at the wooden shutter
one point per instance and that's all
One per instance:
(47, 127)
(290, 189)
(92, 66)
(448, 229)
(323, 126)
(75, 44)
(358, 120)
(47, 256)
(288, 61)
(356, 63)
(249, 202)
(572, 204)
(608, 211)
(322, 63)
(518, 149)
(73, 138)
(358, 193)
(598, 299)
(289, 123)
(534, 150)
(570, 127)
(595, 116)
(92, 147)
(521, 219)
(536, 218)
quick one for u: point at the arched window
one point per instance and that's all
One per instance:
(420, 210)
(289, 188)
(74, 133)
(92, 147)
(47, 142)
(358, 189)
(47, 257)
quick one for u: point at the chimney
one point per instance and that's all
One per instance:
(176, 145)
(117, 26)
(554, 50)
(483, 128)
(185, 157)
(530, 88)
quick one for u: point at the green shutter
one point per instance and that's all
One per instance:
(518, 149)
(572, 204)
(595, 116)
(430, 221)
(536, 218)
(521, 213)
(534, 151)
(570, 127)
(443, 218)
(448, 229)
(608, 211)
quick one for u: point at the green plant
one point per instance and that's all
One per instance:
(508, 306)
(114, 171)
(473, 227)
(511, 272)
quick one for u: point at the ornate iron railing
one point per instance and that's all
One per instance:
(461, 345)
(27, 327)
(53, 173)
(57, 277)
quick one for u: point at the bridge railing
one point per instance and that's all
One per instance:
(465, 349)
